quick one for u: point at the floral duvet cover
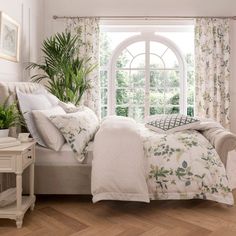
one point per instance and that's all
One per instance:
(133, 163)
(184, 165)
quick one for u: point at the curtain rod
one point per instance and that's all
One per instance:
(143, 17)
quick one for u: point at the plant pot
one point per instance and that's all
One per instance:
(4, 133)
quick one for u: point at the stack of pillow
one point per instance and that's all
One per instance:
(52, 122)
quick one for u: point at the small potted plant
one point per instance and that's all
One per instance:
(9, 117)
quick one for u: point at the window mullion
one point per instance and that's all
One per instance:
(147, 77)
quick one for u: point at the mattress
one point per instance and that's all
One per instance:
(64, 157)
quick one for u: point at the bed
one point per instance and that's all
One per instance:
(55, 172)
(60, 173)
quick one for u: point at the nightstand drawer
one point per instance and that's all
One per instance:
(7, 163)
(27, 158)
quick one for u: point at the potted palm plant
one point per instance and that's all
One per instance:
(63, 70)
(9, 117)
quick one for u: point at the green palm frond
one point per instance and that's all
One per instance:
(64, 71)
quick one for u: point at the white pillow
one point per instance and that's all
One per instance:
(69, 107)
(78, 129)
(29, 102)
(52, 98)
(172, 123)
(51, 136)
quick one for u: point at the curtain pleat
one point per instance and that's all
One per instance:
(212, 66)
(88, 47)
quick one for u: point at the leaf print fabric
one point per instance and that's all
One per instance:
(212, 68)
(184, 165)
(88, 47)
(78, 129)
(133, 163)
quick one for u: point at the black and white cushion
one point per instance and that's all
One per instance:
(172, 123)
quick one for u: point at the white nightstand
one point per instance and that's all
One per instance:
(16, 160)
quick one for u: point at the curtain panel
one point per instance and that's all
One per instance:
(212, 66)
(88, 47)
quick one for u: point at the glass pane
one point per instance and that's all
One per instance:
(156, 97)
(103, 112)
(122, 78)
(184, 40)
(122, 96)
(105, 49)
(172, 78)
(156, 62)
(156, 110)
(172, 96)
(190, 99)
(122, 111)
(104, 96)
(124, 60)
(103, 78)
(138, 62)
(190, 111)
(157, 79)
(137, 113)
(138, 97)
(172, 110)
(170, 59)
(136, 48)
(190, 78)
(137, 78)
(157, 48)
(189, 60)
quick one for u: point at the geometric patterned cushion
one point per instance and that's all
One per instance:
(172, 123)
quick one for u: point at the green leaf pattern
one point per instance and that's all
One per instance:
(88, 46)
(212, 69)
(184, 165)
(78, 129)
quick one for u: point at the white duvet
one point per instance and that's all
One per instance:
(132, 163)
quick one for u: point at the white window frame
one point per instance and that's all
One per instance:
(147, 37)
(147, 34)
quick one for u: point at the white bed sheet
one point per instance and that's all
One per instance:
(64, 157)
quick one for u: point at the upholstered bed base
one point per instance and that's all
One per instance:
(60, 180)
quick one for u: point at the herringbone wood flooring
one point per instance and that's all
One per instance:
(77, 216)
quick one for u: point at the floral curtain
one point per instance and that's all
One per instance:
(88, 47)
(212, 65)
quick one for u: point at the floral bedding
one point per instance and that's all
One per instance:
(181, 165)
(184, 165)
(78, 129)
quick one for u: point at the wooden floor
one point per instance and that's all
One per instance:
(76, 215)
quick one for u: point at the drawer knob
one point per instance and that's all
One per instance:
(29, 157)
(29, 149)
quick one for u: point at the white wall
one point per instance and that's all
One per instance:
(29, 14)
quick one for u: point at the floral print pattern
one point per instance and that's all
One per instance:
(184, 165)
(88, 47)
(78, 129)
(212, 66)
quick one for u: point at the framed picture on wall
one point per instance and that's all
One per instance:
(9, 38)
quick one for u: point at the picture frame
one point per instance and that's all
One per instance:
(9, 38)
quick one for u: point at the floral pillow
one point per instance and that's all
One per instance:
(78, 129)
(172, 123)
(69, 107)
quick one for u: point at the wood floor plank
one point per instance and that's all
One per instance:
(70, 222)
(78, 216)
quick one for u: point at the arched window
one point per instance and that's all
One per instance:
(147, 77)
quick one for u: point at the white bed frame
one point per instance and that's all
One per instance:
(51, 179)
